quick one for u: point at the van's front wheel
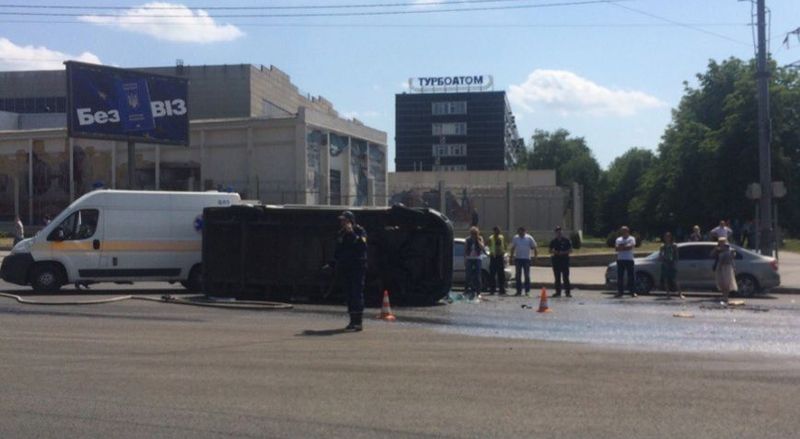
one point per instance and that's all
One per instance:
(194, 282)
(47, 278)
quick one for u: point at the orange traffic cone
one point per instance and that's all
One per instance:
(386, 308)
(543, 302)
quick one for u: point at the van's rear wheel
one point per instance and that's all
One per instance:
(194, 282)
(47, 278)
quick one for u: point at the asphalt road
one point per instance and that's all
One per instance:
(140, 369)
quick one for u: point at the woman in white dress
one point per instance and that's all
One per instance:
(724, 257)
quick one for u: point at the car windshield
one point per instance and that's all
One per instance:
(651, 256)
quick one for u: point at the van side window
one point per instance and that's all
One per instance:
(80, 225)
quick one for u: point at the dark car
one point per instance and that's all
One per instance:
(283, 252)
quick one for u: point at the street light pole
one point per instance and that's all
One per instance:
(764, 151)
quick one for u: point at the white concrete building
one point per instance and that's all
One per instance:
(257, 135)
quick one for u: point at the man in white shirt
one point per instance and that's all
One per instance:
(624, 246)
(521, 247)
(721, 231)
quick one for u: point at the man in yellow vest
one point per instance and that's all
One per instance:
(497, 262)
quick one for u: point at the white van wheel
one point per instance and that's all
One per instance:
(46, 278)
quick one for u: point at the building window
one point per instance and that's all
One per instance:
(450, 150)
(450, 129)
(443, 108)
(449, 167)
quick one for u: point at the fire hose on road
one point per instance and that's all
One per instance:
(194, 301)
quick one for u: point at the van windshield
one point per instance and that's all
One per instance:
(80, 225)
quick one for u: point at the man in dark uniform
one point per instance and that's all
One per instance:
(351, 264)
(560, 248)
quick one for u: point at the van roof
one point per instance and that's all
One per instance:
(151, 199)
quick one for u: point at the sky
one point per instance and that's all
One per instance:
(609, 71)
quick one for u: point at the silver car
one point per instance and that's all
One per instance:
(754, 273)
(459, 271)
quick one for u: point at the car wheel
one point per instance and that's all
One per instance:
(644, 283)
(747, 285)
(47, 278)
(194, 282)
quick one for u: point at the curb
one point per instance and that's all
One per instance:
(601, 287)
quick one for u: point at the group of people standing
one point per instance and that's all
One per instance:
(350, 262)
(723, 254)
(524, 252)
(744, 235)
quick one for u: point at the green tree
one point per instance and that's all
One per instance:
(572, 160)
(619, 189)
(709, 153)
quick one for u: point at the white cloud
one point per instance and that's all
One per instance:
(170, 22)
(14, 57)
(567, 93)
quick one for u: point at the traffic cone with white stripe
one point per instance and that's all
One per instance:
(543, 302)
(386, 308)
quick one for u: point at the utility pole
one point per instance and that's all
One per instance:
(764, 151)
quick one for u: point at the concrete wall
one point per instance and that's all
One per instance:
(273, 85)
(215, 91)
(219, 91)
(9, 121)
(475, 178)
(507, 199)
(37, 121)
(36, 83)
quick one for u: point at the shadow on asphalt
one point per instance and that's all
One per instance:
(323, 332)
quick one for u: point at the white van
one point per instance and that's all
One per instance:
(117, 236)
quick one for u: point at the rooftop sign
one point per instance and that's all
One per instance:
(451, 83)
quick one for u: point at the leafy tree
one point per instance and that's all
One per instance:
(573, 161)
(709, 153)
(619, 187)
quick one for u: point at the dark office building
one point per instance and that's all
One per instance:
(467, 131)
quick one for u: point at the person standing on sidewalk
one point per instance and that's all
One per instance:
(351, 264)
(473, 250)
(668, 256)
(721, 231)
(624, 246)
(19, 230)
(521, 247)
(696, 236)
(724, 268)
(560, 248)
(497, 262)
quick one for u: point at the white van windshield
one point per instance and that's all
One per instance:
(80, 225)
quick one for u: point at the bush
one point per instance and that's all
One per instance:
(612, 238)
(575, 237)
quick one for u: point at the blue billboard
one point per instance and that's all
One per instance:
(119, 104)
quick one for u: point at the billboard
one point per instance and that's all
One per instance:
(119, 104)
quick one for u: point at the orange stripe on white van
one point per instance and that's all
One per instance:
(152, 246)
(126, 246)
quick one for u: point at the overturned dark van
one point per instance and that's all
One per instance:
(283, 253)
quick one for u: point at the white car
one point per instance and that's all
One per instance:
(459, 271)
